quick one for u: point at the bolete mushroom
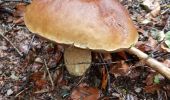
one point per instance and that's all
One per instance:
(99, 25)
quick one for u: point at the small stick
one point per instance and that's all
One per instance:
(153, 63)
(81, 79)
(20, 53)
(49, 75)
(166, 5)
(20, 92)
(25, 1)
(30, 44)
(42, 91)
(96, 64)
(108, 76)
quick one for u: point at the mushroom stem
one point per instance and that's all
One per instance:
(154, 64)
(77, 60)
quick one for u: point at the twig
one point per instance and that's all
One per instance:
(166, 5)
(96, 64)
(108, 76)
(49, 75)
(30, 44)
(16, 49)
(26, 1)
(20, 92)
(153, 63)
(26, 83)
(42, 91)
(81, 79)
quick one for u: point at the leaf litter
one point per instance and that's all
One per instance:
(26, 77)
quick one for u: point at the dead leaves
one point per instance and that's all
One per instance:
(19, 13)
(167, 62)
(16, 15)
(153, 6)
(85, 93)
(39, 80)
(149, 45)
(152, 88)
(120, 68)
(153, 83)
(20, 9)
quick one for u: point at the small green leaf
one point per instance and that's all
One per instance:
(161, 36)
(156, 79)
(167, 39)
(167, 35)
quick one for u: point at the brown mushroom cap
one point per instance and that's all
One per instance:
(95, 24)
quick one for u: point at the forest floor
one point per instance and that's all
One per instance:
(32, 68)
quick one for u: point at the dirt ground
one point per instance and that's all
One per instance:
(32, 68)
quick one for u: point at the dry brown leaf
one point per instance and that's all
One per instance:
(107, 56)
(123, 55)
(146, 46)
(40, 84)
(58, 78)
(152, 43)
(104, 78)
(165, 48)
(19, 21)
(20, 9)
(38, 79)
(142, 46)
(36, 76)
(153, 6)
(120, 68)
(167, 88)
(149, 79)
(167, 62)
(152, 88)
(85, 93)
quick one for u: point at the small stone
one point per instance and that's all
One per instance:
(13, 76)
(3, 48)
(38, 60)
(10, 92)
(138, 90)
(23, 48)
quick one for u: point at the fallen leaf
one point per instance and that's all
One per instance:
(40, 84)
(167, 62)
(149, 80)
(58, 78)
(121, 68)
(20, 9)
(167, 88)
(152, 88)
(152, 43)
(36, 76)
(107, 56)
(167, 39)
(39, 81)
(150, 4)
(85, 93)
(156, 11)
(142, 46)
(153, 6)
(165, 48)
(19, 21)
(104, 78)
(123, 55)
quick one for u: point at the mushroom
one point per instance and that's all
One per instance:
(98, 25)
